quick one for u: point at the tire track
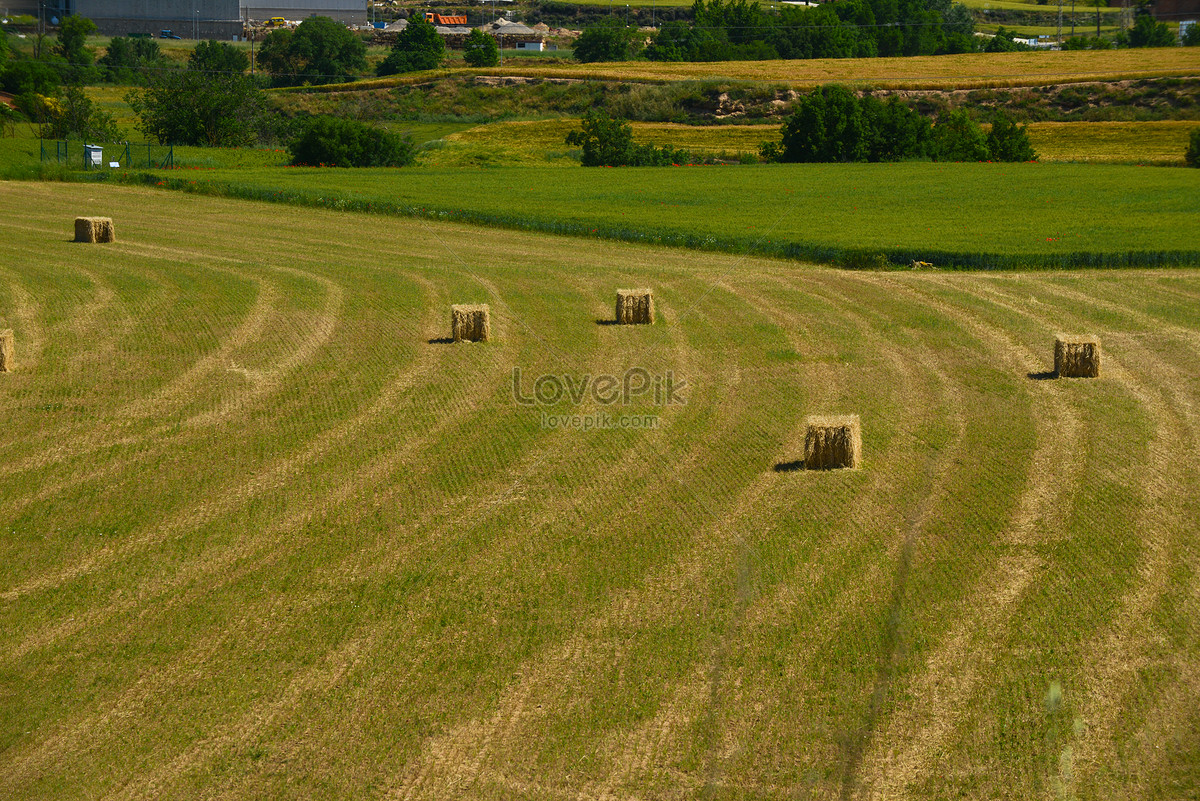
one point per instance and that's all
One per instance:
(29, 330)
(1119, 653)
(916, 735)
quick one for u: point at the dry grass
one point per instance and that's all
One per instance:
(1076, 356)
(94, 229)
(964, 71)
(833, 442)
(470, 323)
(1144, 142)
(635, 307)
(6, 351)
(384, 577)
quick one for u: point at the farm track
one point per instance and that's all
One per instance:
(391, 582)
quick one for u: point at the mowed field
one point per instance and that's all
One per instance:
(265, 534)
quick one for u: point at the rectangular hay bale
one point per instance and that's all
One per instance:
(635, 307)
(94, 229)
(470, 323)
(6, 351)
(831, 442)
(1076, 356)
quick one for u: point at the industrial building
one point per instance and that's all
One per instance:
(347, 12)
(188, 19)
(202, 19)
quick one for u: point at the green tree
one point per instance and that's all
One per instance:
(1004, 42)
(1192, 155)
(1008, 141)
(30, 76)
(75, 116)
(193, 107)
(957, 137)
(608, 142)
(318, 51)
(608, 40)
(126, 59)
(338, 142)
(481, 50)
(72, 47)
(417, 47)
(1148, 33)
(218, 57)
(827, 125)
(1191, 37)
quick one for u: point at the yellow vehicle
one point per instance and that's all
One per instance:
(275, 22)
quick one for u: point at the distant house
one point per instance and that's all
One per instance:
(515, 35)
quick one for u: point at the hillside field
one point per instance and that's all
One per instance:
(265, 534)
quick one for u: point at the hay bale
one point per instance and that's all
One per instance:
(6, 351)
(1076, 356)
(832, 442)
(470, 323)
(94, 229)
(635, 307)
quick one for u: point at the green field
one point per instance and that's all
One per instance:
(954, 215)
(264, 534)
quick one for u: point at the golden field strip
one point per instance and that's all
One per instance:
(264, 534)
(541, 142)
(963, 71)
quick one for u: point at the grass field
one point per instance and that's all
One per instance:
(264, 535)
(954, 215)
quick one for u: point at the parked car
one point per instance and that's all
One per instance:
(165, 34)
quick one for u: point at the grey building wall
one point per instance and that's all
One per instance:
(202, 19)
(347, 12)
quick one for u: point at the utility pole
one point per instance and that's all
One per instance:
(1060, 5)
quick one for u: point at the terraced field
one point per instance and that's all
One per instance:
(265, 534)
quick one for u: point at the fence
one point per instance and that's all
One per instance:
(126, 154)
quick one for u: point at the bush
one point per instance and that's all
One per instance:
(418, 47)
(337, 142)
(608, 142)
(217, 57)
(193, 107)
(957, 137)
(481, 50)
(1146, 32)
(831, 124)
(1008, 141)
(1191, 37)
(29, 76)
(1192, 154)
(1004, 42)
(75, 116)
(607, 41)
